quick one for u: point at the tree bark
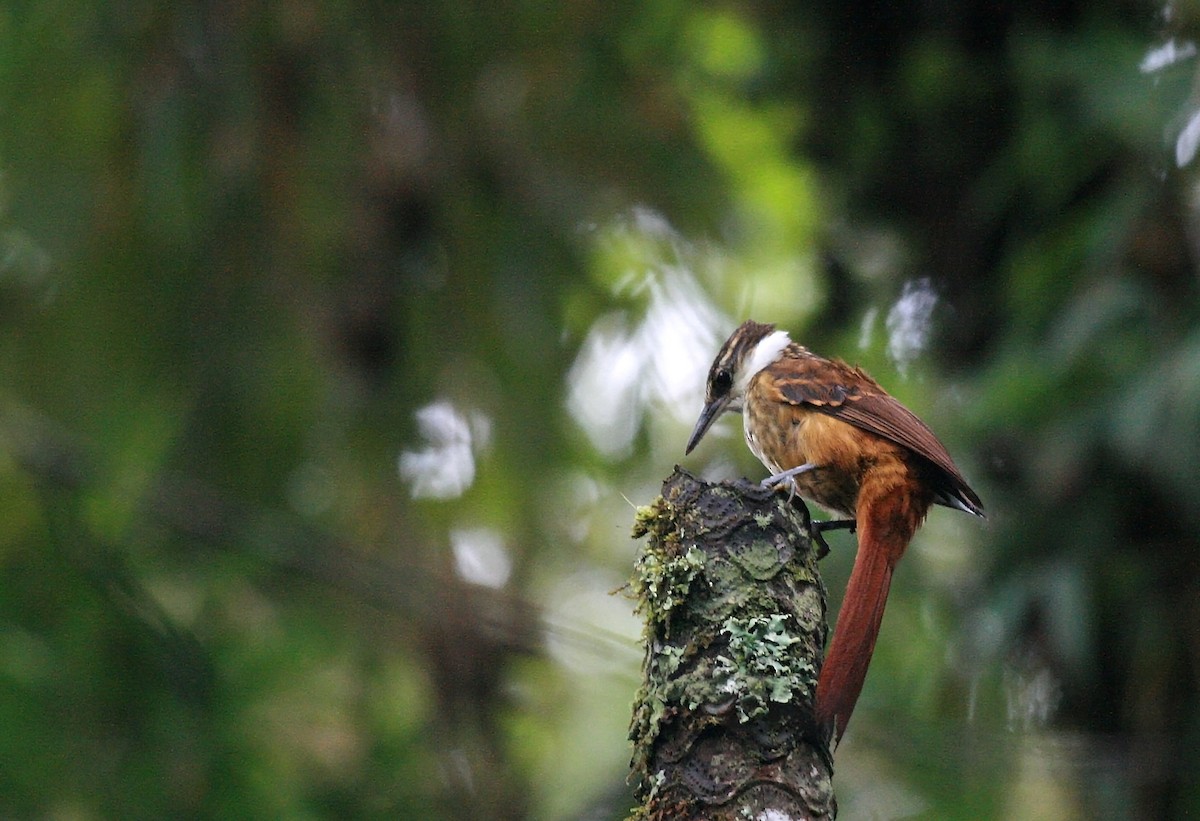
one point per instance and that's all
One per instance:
(735, 625)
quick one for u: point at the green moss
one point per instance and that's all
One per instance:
(759, 665)
(661, 581)
(648, 518)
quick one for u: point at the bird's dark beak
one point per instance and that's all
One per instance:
(707, 416)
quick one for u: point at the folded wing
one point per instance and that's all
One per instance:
(859, 400)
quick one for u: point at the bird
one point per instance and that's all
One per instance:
(839, 440)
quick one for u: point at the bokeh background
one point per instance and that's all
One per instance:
(338, 342)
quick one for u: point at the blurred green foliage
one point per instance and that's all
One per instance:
(334, 339)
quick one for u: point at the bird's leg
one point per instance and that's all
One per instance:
(791, 473)
(777, 479)
(815, 530)
(835, 524)
(809, 525)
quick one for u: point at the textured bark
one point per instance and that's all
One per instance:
(735, 624)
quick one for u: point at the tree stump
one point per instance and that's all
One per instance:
(735, 627)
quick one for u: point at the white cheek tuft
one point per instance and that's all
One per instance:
(765, 352)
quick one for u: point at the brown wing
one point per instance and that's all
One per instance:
(850, 394)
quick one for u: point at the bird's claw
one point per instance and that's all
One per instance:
(812, 528)
(814, 533)
(816, 530)
(778, 478)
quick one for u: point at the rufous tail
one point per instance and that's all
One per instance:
(884, 530)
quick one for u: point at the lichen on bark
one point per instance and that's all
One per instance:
(734, 616)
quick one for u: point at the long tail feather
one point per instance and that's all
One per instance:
(849, 654)
(886, 523)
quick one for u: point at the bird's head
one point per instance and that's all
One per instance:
(749, 349)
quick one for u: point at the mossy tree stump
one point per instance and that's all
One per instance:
(735, 625)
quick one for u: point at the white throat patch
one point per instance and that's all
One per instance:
(765, 352)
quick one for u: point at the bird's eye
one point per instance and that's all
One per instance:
(722, 380)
